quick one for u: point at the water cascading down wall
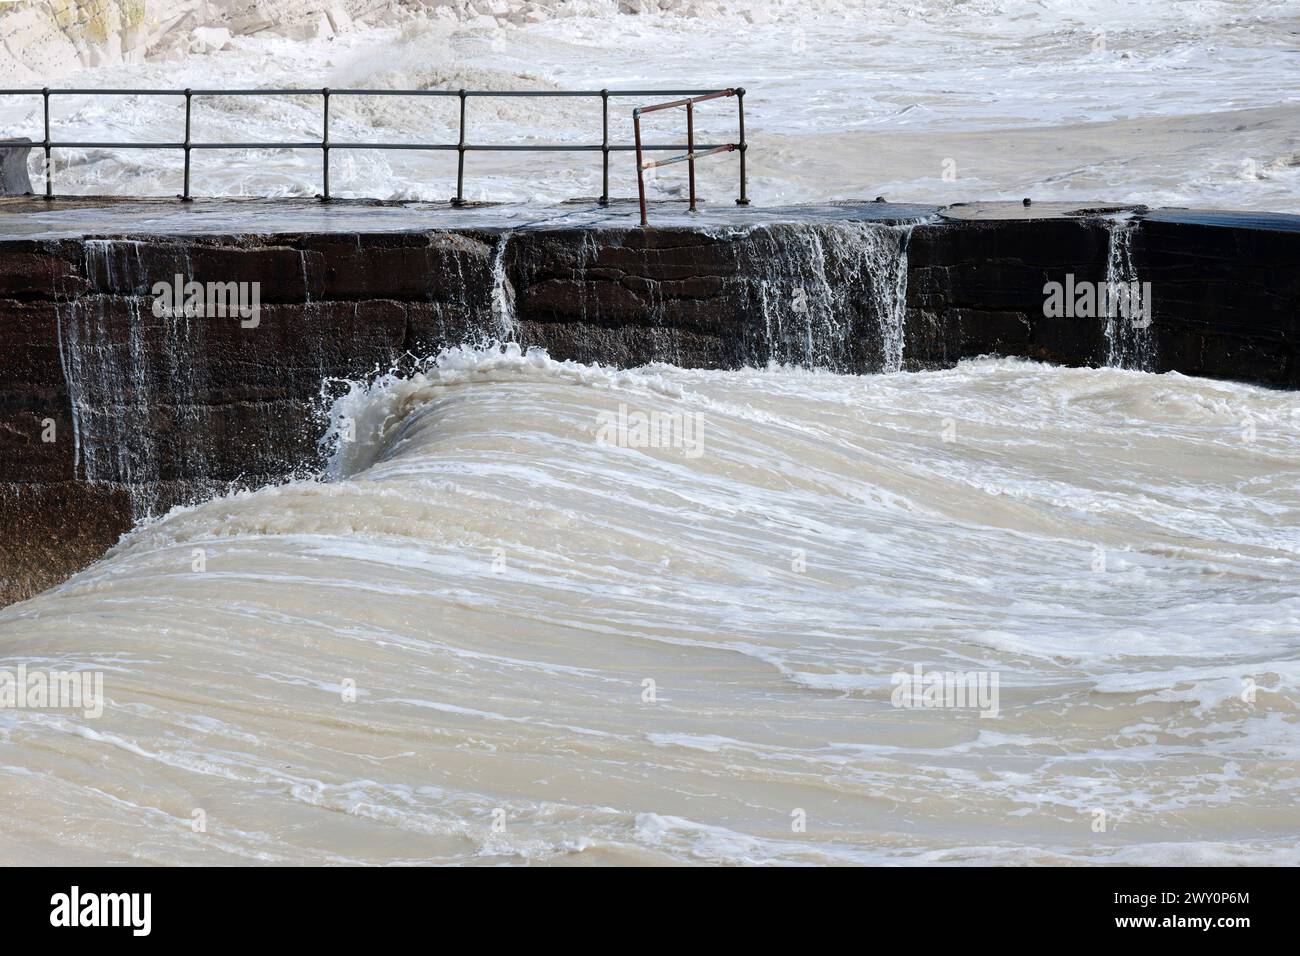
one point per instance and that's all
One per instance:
(110, 413)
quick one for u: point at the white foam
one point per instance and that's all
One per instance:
(1101, 100)
(647, 657)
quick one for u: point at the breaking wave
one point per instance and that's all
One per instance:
(511, 624)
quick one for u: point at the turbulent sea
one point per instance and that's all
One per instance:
(490, 633)
(1164, 102)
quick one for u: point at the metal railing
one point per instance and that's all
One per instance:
(325, 145)
(691, 154)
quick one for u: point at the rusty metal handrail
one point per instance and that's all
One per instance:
(691, 153)
(462, 146)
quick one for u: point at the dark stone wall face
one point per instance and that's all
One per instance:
(174, 410)
(1227, 300)
(976, 288)
(624, 297)
(796, 294)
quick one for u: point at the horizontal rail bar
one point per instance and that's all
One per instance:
(685, 157)
(316, 91)
(81, 145)
(506, 147)
(313, 144)
(316, 144)
(592, 148)
(691, 101)
(508, 93)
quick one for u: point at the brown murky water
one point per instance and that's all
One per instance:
(544, 612)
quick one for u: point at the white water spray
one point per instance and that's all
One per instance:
(830, 293)
(1130, 343)
(504, 322)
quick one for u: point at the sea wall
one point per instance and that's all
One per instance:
(110, 412)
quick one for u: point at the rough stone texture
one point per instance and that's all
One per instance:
(108, 413)
(976, 288)
(173, 410)
(1227, 299)
(1225, 291)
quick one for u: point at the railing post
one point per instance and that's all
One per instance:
(604, 147)
(743, 147)
(49, 170)
(640, 172)
(690, 150)
(460, 157)
(185, 190)
(325, 145)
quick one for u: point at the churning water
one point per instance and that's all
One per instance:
(922, 100)
(541, 611)
(503, 627)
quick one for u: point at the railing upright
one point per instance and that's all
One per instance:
(604, 147)
(460, 151)
(640, 166)
(742, 146)
(185, 189)
(690, 150)
(49, 171)
(325, 144)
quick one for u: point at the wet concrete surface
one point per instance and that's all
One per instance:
(33, 217)
(91, 217)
